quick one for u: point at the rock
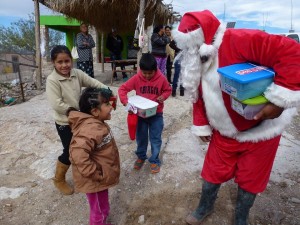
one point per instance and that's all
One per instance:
(4, 172)
(295, 200)
(141, 219)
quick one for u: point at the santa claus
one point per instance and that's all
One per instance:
(239, 148)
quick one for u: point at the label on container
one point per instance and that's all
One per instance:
(230, 90)
(251, 70)
(237, 106)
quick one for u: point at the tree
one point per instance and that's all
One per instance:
(18, 37)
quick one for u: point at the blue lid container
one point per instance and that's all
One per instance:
(245, 80)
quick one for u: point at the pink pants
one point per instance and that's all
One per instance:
(99, 207)
(249, 163)
(161, 64)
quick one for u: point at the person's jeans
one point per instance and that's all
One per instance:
(65, 134)
(114, 56)
(177, 68)
(153, 126)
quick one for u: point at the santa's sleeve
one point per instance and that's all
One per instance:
(283, 55)
(201, 125)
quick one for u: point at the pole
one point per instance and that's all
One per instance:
(21, 83)
(97, 45)
(141, 16)
(141, 11)
(47, 48)
(37, 45)
(291, 17)
(102, 52)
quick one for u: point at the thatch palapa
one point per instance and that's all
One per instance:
(106, 14)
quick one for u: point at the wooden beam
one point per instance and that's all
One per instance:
(38, 71)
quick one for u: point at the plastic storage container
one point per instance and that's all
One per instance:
(245, 80)
(250, 107)
(145, 107)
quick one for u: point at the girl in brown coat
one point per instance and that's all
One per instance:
(93, 151)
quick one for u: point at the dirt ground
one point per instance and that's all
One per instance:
(29, 146)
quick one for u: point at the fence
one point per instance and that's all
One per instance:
(17, 66)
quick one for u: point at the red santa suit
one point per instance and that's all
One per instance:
(239, 148)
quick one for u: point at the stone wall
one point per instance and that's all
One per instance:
(9, 77)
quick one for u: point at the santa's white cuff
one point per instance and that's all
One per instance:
(201, 130)
(282, 96)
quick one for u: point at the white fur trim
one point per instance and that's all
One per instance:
(201, 130)
(220, 120)
(207, 50)
(195, 39)
(215, 108)
(219, 35)
(282, 96)
(191, 40)
(268, 128)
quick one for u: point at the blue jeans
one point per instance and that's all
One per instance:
(176, 74)
(114, 56)
(153, 126)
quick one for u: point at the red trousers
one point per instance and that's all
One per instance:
(249, 163)
(99, 207)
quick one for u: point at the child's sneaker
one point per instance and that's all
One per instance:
(154, 168)
(138, 164)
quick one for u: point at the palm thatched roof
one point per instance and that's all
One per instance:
(106, 14)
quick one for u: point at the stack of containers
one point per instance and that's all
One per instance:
(245, 83)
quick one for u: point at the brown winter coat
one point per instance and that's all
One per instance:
(93, 153)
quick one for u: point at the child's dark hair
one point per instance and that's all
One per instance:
(168, 27)
(59, 49)
(148, 62)
(157, 28)
(93, 97)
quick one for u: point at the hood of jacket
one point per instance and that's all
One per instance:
(76, 119)
(156, 76)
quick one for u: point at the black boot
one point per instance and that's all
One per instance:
(174, 93)
(206, 204)
(181, 91)
(244, 202)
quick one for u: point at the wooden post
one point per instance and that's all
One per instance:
(47, 49)
(141, 16)
(21, 83)
(37, 45)
(102, 52)
(97, 46)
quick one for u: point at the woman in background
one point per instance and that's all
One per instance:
(85, 43)
(159, 41)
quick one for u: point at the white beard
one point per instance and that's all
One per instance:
(192, 70)
(190, 73)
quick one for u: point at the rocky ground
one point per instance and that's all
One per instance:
(30, 145)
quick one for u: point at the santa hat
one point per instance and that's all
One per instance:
(210, 26)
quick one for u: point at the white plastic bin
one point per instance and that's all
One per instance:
(246, 110)
(145, 107)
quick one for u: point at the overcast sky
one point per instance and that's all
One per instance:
(273, 15)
